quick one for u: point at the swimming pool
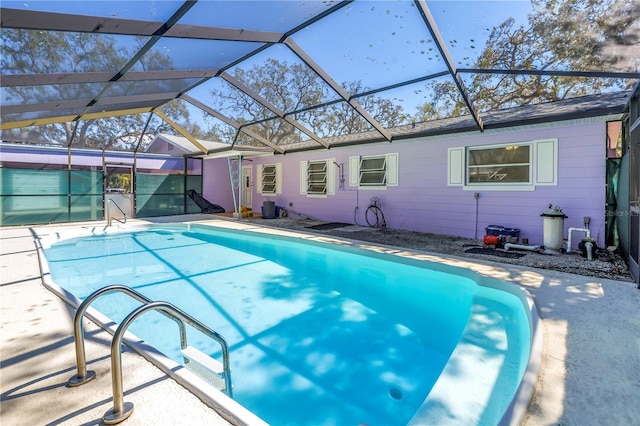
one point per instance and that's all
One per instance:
(319, 335)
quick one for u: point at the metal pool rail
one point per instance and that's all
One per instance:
(121, 410)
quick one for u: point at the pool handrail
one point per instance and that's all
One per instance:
(83, 376)
(121, 410)
(109, 217)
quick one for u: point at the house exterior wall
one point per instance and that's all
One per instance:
(216, 186)
(424, 202)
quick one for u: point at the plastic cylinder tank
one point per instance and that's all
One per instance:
(553, 227)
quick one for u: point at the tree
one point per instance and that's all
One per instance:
(561, 35)
(294, 87)
(45, 52)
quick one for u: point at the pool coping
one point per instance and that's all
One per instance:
(231, 410)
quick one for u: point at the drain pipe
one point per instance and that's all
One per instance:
(589, 246)
(508, 246)
(571, 230)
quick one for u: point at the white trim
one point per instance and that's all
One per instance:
(331, 176)
(456, 169)
(303, 177)
(499, 188)
(354, 170)
(546, 162)
(278, 178)
(392, 169)
(259, 168)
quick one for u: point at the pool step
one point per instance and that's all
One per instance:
(205, 367)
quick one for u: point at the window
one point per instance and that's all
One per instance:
(317, 178)
(269, 179)
(521, 166)
(374, 172)
(503, 165)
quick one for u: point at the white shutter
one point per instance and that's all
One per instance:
(278, 178)
(331, 176)
(392, 169)
(546, 162)
(259, 178)
(303, 177)
(456, 167)
(354, 171)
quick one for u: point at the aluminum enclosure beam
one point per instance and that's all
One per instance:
(277, 111)
(448, 60)
(180, 130)
(335, 86)
(231, 123)
(70, 118)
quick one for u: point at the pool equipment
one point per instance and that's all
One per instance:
(571, 231)
(553, 222)
(509, 246)
(588, 248)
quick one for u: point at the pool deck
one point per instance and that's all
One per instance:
(590, 369)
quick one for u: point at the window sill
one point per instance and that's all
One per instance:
(499, 187)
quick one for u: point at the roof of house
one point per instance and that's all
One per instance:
(598, 105)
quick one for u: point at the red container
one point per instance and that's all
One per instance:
(491, 240)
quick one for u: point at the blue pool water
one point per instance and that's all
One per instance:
(316, 335)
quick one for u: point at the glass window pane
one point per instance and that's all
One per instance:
(367, 164)
(512, 154)
(501, 174)
(373, 178)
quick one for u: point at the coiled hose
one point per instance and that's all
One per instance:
(373, 215)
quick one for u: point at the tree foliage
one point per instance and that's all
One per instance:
(560, 35)
(293, 88)
(46, 52)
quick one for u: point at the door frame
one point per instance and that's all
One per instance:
(123, 199)
(247, 186)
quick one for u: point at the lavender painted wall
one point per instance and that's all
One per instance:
(424, 202)
(216, 186)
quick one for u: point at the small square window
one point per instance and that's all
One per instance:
(373, 171)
